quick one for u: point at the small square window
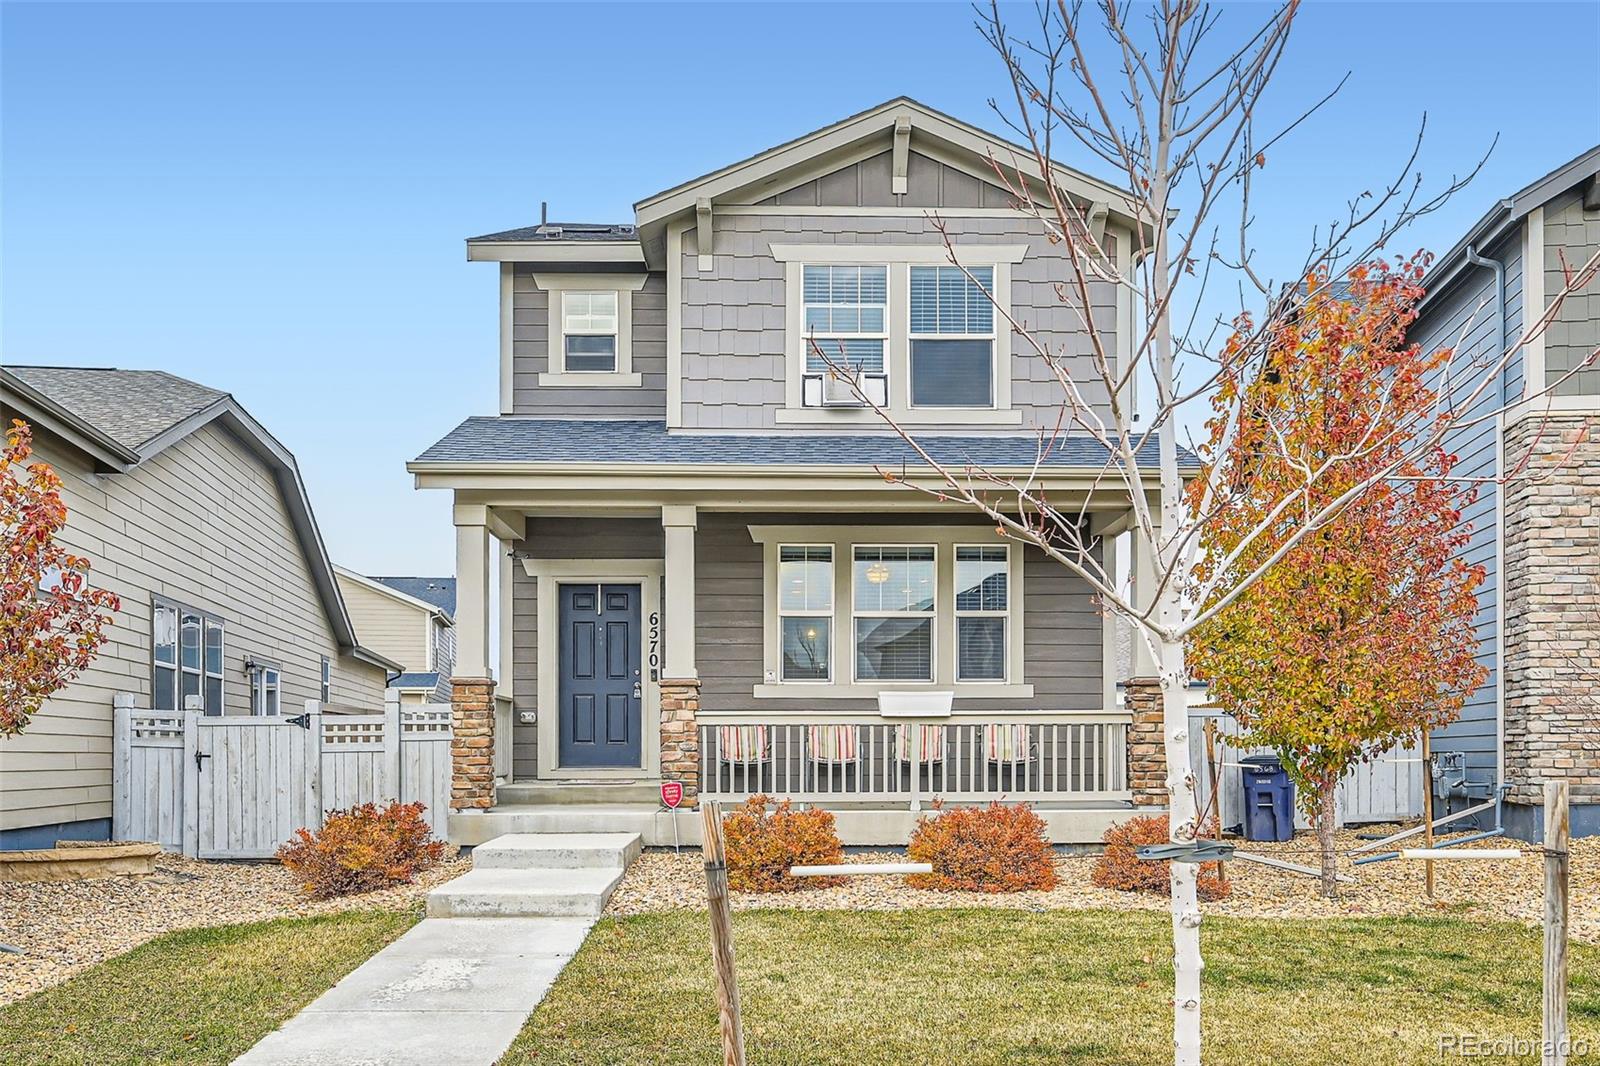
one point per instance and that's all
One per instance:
(589, 332)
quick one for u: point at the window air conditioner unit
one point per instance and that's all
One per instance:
(842, 391)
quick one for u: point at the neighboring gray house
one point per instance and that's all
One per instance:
(410, 620)
(1538, 715)
(703, 577)
(197, 519)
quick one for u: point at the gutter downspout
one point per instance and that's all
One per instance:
(1499, 270)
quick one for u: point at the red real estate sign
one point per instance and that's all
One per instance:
(671, 794)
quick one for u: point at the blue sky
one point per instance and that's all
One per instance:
(271, 199)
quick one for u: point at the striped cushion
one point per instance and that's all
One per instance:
(742, 743)
(831, 743)
(1006, 743)
(931, 748)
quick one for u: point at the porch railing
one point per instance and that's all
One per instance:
(873, 761)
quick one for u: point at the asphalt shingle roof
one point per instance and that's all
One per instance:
(533, 440)
(565, 231)
(129, 406)
(439, 591)
(416, 680)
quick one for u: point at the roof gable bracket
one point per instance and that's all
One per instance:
(1591, 193)
(1099, 211)
(702, 230)
(902, 154)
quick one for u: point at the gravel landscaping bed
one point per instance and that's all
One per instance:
(65, 927)
(1506, 890)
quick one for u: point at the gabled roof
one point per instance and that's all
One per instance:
(123, 418)
(421, 681)
(1510, 212)
(574, 443)
(432, 595)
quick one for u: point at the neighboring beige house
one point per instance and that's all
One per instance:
(197, 518)
(702, 575)
(409, 620)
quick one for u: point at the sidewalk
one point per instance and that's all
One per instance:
(450, 992)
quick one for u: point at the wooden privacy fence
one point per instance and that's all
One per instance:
(237, 787)
(1386, 789)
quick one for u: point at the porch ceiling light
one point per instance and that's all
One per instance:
(877, 573)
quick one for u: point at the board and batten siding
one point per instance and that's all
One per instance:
(395, 630)
(1571, 237)
(1463, 316)
(733, 314)
(530, 351)
(202, 524)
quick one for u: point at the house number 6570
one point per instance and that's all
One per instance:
(655, 644)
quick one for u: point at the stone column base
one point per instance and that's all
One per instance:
(471, 744)
(680, 736)
(1147, 753)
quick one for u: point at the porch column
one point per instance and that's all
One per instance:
(1141, 695)
(680, 681)
(472, 684)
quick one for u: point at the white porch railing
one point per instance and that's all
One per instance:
(873, 761)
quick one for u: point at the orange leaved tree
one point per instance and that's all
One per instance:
(51, 621)
(1360, 635)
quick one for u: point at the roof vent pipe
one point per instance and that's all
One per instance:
(544, 211)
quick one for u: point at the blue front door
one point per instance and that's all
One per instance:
(600, 690)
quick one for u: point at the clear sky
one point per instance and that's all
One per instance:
(271, 199)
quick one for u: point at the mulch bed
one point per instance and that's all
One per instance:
(64, 927)
(1510, 890)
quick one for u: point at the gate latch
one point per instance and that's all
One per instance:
(301, 720)
(199, 759)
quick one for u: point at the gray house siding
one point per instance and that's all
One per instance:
(1463, 317)
(559, 538)
(203, 525)
(530, 350)
(929, 183)
(733, 340)
(1571, 237)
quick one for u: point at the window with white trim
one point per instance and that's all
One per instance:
(982, 611)
(589, 332)
(186, 652)
(952, 339)
(325, 690)
(266, 689)
(892, 612)
(846, 321)
(805, 611)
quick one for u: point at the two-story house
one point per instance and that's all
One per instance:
(1536, 521)
(410, 620)
(703, 575)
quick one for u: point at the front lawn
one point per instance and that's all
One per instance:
(198, 996)
(1089, 987)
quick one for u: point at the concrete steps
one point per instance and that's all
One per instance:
(565, 793)
(538, 874)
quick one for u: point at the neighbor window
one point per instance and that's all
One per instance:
(186, 650)
(266, 689)
(893, 608)
(805, 611)
(952, 336)
(982, 605)
(589, 332)
(326, 689)
(846, 325)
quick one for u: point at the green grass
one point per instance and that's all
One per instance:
(198, 996)
(1087, 987)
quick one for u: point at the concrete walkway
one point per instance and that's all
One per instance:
(456, 988)
(450, 991)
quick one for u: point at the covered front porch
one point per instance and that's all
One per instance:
(849, 644)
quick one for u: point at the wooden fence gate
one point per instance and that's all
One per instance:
(238, 787)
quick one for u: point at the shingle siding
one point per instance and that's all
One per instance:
(868, 183)
(202, 524)
(1571, 238)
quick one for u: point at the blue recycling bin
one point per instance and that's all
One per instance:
(1268, 799)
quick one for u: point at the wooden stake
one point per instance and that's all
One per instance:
(711, 849)
(1427, 807)
(1216, 795)
(1557, 831)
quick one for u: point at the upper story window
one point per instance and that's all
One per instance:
(589, 332)
(186, 650)
(847, 326)
(952, 336)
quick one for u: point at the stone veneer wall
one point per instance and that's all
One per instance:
(1552, 589)
(680, 738)
(1147, 757)
(472, 744)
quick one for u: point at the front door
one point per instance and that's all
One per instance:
(600, 689)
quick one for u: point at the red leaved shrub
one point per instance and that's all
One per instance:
(761, 846)
(1119, 868)
(363, 848)
(983, 849)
